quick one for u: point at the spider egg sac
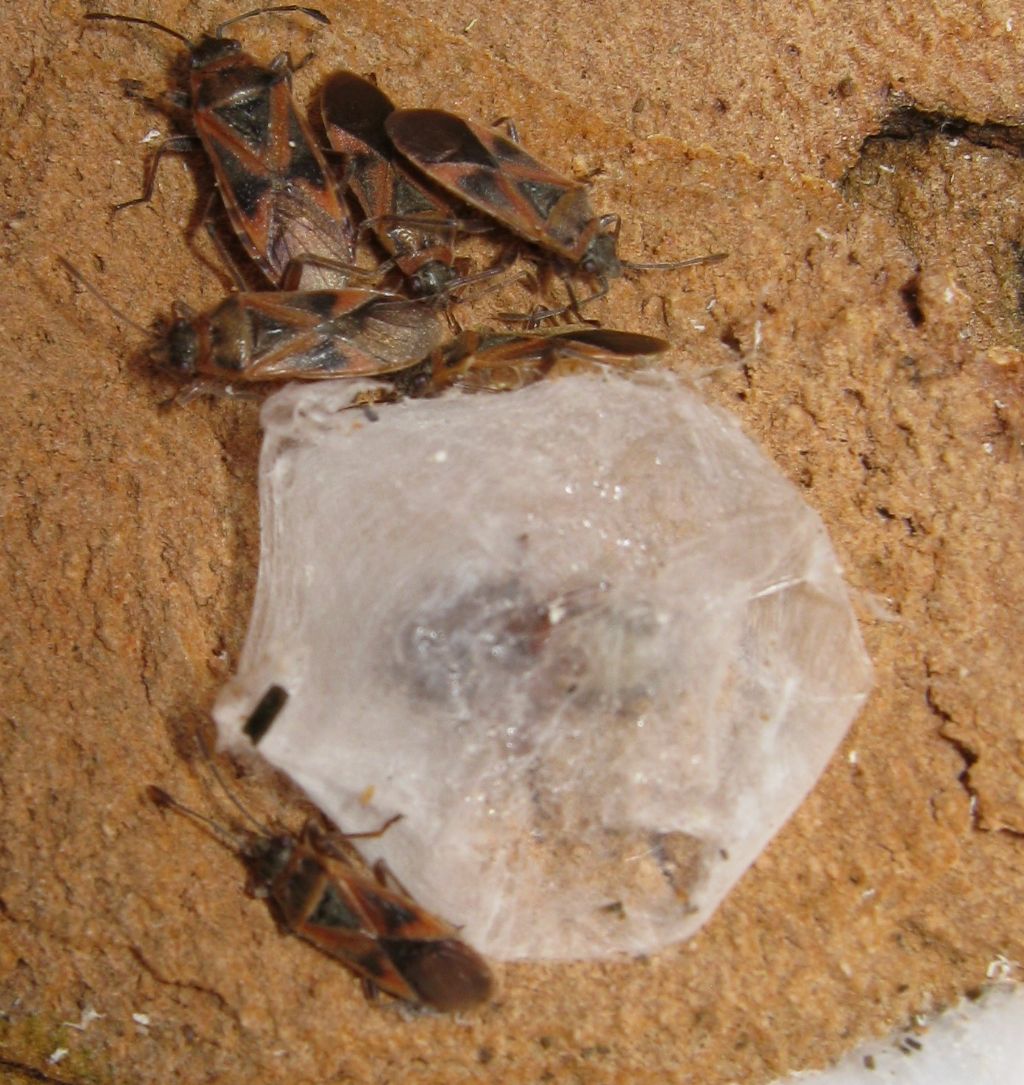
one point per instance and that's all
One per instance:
(584, 637)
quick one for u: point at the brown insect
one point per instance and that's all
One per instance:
(496, 176)
(280, 195)
(308, 335)
(413, 224)
(292, 335)
(490, 360)
(363, 919)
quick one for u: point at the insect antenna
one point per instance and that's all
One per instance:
(313, 13)
(142, 22)
(83, 281)
(160, 798)
(693, 261)
(262, 829)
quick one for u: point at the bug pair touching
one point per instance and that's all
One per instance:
(329, 318)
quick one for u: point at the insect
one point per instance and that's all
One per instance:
(374, 928)
(498, 361)
(279, 192)
(496, 176)
(291, 335)
(329, 334)
(300, 335)
(413, 224)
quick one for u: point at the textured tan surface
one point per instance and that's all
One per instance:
(868, 334)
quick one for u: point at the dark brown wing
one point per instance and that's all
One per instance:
(323, 335)
(354, 112)
(497, 177)
(503, 361)
(446, 975)
(275, 183)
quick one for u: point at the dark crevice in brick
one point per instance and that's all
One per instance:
(908, 122)
(967, 754)
(910, 292)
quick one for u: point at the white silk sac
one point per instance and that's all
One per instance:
(584, 637)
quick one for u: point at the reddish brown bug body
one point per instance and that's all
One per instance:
(497, 361)
(377, 931)
(496, 176)
(276, 186)
(309, 335)
(412, 223)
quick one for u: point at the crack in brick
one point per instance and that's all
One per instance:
(185, 985)
(33, 1073)
(966, 752)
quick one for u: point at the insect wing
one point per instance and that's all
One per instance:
(310, 902)
(363, 954)
(275, 183)
(501, 361)
(605, 344)
(320, 335)
(394, 915)
(354, 112)
(497, 177)
(380, 933)
(440, 970)
(447, 975)
(582, 344)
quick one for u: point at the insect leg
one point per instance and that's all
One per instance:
(613, 220)
(171, 145)
(575, 304)
(693, 261)
(336, 844)
(204, 386)
(172, 103)
(293, 68)
(505, 260)
(388, 879)
(291, 279)
(532, 319)
(463, 226)
(207, 220)
(503, 263)
(510, 127)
